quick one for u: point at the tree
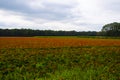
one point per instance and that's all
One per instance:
(112, 29)
(30, 32)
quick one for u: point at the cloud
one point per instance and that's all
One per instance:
(80, 15)
(111, 5)
(42, 9)
(12, 20)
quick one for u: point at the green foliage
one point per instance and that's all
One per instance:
(30, 32)
(112, 29)
(82, 63)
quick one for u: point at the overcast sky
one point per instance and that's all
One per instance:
(79, 15)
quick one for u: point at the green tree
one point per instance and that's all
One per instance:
(112, 29)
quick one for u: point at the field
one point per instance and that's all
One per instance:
(59, 58)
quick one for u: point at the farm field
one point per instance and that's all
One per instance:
(59, 58)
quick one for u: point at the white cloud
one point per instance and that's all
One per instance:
(12, 20)
(80, 15)
(93, 12)
(35, 4)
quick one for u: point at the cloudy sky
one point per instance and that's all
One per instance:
(79, 15)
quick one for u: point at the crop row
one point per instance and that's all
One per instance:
(87, 63)
(29, 42)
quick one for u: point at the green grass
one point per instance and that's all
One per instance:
(82, 63)
(93, 37)
(99, 37)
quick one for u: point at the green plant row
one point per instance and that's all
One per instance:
(90, 63)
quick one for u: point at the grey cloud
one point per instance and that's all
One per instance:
(50, 11)
(14, 5)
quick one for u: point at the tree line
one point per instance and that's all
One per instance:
(30, 32)
(111, 29)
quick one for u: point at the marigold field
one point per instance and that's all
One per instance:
(59, 58)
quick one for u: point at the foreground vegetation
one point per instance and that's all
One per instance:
(60, 61)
